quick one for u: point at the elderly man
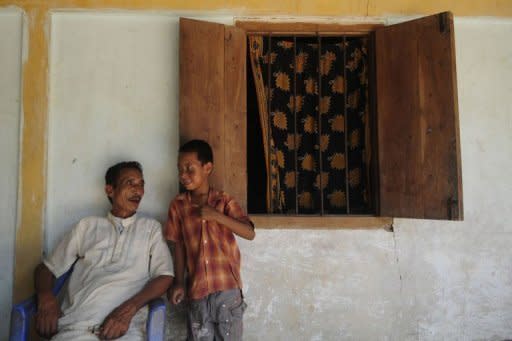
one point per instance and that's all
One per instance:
(122, 262)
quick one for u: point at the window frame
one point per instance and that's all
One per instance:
(326, 221)
(432, 24)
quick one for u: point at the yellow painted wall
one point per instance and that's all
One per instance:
(35, 80)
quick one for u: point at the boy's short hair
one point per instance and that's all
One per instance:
(201, 148)
(112, 174)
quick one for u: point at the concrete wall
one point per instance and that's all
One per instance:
(113, 95)
(11, 28)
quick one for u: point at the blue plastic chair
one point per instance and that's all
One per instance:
(21, 315)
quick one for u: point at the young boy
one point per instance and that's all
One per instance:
(202, 223)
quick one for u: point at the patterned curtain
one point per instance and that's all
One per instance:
(358, 126)
(332, 109)
(259, 56)
(304, 123)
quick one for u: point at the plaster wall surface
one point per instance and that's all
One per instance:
(11, 31)
(113, 96)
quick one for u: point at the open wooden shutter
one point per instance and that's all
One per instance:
(417, 120)
(213, 98)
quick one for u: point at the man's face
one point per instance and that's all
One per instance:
(193, 175)
(127, 193)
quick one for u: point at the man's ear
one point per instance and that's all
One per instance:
(208, 167)
(109, 189)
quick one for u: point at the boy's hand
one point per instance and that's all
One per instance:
(209, 213)
(176, 293)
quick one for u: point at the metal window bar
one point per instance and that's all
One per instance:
(347, 196)
(319, 38)
(295, 124)
(269, 130)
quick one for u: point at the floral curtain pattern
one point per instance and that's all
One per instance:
(357, 102)
(307, 101)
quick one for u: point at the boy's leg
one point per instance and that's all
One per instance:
(228, 313)
(200, 325)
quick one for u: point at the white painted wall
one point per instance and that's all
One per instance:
(113, 96)
(11, 29)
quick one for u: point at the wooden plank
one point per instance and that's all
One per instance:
(372, 116)
(418, 138)
(321, 222)
(396, 62)
(235, 117)
(202, 88)
(437, 66)
(304, 27)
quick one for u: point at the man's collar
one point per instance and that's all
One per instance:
(125, 222)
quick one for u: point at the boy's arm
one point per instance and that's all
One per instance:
(242, 229)
(179, 261)
(48, 308)
(118, 321)
(177, 292)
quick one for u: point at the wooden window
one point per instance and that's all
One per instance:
(415, 134)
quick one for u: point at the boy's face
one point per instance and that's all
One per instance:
(127, 194)
(193, 175)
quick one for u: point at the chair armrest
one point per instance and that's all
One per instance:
(20, 319)
(155, 324)
(22, 312)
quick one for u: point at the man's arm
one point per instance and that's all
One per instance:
(118, 321)
(239, 228)
(177, 291)
(48, 308)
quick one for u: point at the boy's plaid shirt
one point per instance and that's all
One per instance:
(211, 251)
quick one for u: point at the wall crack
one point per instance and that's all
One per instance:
(397, 259)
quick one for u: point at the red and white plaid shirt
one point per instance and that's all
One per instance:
(212, 254)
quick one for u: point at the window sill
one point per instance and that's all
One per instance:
(263, 221)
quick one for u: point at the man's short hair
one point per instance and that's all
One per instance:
(114, 172)
(201, 148)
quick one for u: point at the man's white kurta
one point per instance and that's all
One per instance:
(116, 258)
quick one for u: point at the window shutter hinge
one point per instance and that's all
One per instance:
(444, 24)
(453, 208)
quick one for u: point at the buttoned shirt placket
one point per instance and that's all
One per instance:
(120, 239)
(204, 242)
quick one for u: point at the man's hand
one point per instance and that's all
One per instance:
(116, 324)
(176, 293)
(47, 316)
